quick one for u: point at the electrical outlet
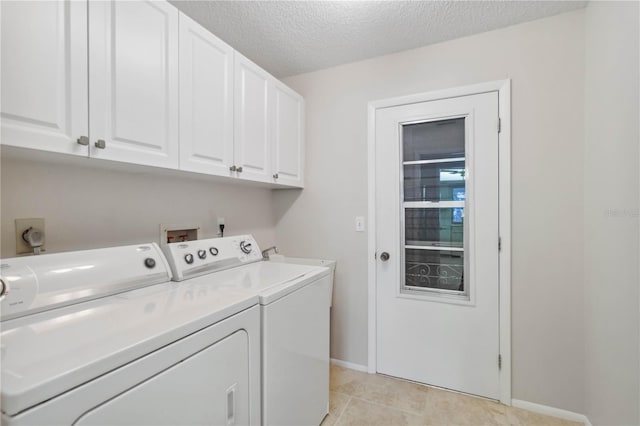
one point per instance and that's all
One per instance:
(220, 232)
(22, 225)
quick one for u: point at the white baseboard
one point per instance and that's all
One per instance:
(350, 365)
(551, 411)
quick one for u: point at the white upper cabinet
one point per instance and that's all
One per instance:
(44, 75)
(133, 82)
(252, 120)
(206, 101)
(288, 139)
(139, 82)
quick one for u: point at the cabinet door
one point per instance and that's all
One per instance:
(206, 100)
(44, 75)
(133, 81)
(288, 140)
(253, 87)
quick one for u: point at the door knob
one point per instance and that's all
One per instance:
(384, 256)
(101, 144)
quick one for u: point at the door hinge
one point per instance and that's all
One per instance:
(375, 255)
(499, 362)
(499, 243)
(499, 124)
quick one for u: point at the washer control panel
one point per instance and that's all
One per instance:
(193, 258)
(245, 246)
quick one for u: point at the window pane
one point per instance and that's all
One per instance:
(434, 182)
(433, 140)
(437, 227)
(437, 269)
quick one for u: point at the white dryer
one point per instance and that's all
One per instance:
(103, 337)
(294, 304)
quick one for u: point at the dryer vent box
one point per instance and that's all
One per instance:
(178, 233)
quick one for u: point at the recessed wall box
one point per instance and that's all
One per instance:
(22, 247)
(178, 233)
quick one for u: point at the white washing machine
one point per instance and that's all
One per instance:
(103, 337)
(294, 305)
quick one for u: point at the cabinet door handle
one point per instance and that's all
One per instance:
(233, 168)
(100, 143)
(275, 176)
(239, 169)
(83, 140)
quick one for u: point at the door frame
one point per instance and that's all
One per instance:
(503, 87)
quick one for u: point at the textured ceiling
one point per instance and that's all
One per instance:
(293, 37)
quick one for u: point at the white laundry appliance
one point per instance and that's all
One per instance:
(103, 337)
(294, 305)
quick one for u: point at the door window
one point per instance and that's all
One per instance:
(433, 196)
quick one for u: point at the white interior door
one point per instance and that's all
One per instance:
(437, 243)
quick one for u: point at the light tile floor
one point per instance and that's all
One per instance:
(371, 399)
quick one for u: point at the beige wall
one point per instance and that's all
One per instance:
(545, 60)
(557, 300)
(88, 207)
(612, 136)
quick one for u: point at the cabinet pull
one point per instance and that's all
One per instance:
(239, 169)
(232, 168)
(83, 140)
(100, 143)
(275, 176)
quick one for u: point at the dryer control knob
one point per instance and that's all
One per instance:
(150, 262)
(213, 251)
(4, 289)
(202, 254)
(188, 258)
(245, 247)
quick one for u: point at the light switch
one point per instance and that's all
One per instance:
(359, 224)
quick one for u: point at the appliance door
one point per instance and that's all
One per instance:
(296, 356)
(209, 377)
(210, 387)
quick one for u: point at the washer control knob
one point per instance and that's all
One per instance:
(245, 247)
(150, 262)
(202, 254)
(4, 289)
(213, 251)
(188, 258)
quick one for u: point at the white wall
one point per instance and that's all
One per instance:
(545, 60)
(85, 206)
(612, 136)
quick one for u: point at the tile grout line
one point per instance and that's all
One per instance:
(504, 412)
(343, 410)
(363, 399)
(388, 407)
(427, 387)
(437, 388)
